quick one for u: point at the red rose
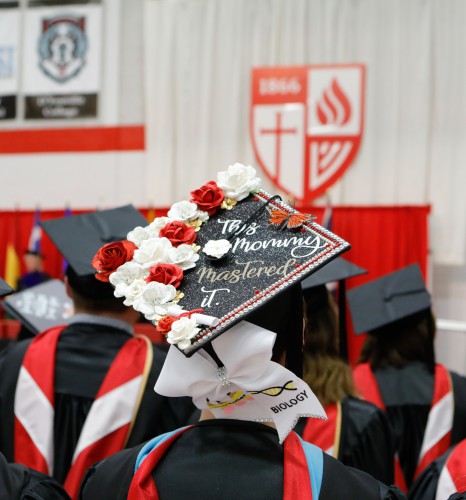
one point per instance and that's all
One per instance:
(168, 274)
(208, 198)
(111, 256)
(164, 324)
(178, 232)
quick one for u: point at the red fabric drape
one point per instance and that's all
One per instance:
(17, 225)
(383, 239)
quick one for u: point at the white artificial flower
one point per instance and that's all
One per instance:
(158, 224)
(125, 275)
(184, 211)
(140, 234)
(202, 216)
(217, 248)
(152, 251)
(134, 291)
(155, 299)
(183, 256)
(238, 181)
(182, 331)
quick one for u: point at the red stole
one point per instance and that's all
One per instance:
(110, 419)
(296, 469)
(437, 435)
(325, 433)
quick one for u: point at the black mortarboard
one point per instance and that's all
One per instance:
(388, 299)
(316, 294)
(5, 288)
(41, 307)
(264, 262)
(79, 237)
(337, 270)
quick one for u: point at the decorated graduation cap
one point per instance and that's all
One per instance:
(391, 298)
(79, 237)
(41, 307)
(219, 276)
(5, 288)
(216, 258)
(316, 294)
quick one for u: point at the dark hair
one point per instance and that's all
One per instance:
(401, 342)
(283, 314)
(328, 375)
(321, 323)
(92, 295)
(34, 253)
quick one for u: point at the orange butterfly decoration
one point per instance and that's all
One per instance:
(283, 219)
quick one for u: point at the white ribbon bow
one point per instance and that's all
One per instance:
(248, 387)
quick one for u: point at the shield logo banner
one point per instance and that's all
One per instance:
(306, 124)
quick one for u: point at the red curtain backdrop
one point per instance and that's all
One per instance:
(382, 239)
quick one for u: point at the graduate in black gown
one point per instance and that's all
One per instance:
(96, 359)
(20, 482)
(244, 446)
(425, 403)
(443, 477)
(34, 275)
(17, 481)
(230, 459)
(356, 432)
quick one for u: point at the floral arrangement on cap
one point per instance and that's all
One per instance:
(148, 267)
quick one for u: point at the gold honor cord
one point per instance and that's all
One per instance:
(336, 443)
(142, 387)
(450, 385)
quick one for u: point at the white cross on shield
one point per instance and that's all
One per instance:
(307, 124)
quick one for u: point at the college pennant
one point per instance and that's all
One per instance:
(249, 386)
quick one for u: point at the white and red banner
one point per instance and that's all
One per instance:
(306, 124)
(62, 61)
(9, 56)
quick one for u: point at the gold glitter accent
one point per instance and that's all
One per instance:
(196, 224)
(196, 248)
(179, 295)
(228, 203)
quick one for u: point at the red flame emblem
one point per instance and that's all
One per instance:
(334, 107)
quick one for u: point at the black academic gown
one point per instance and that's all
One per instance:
(227, 459)
(425, 486)
(366, 440)
(19, 482)
(407, 394)
(85, 352)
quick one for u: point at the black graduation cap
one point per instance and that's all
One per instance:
(5, 288)
(316, 295)
(41, 307)
(79, 237)
(337, 270)
(388, 299)
(265, 262)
